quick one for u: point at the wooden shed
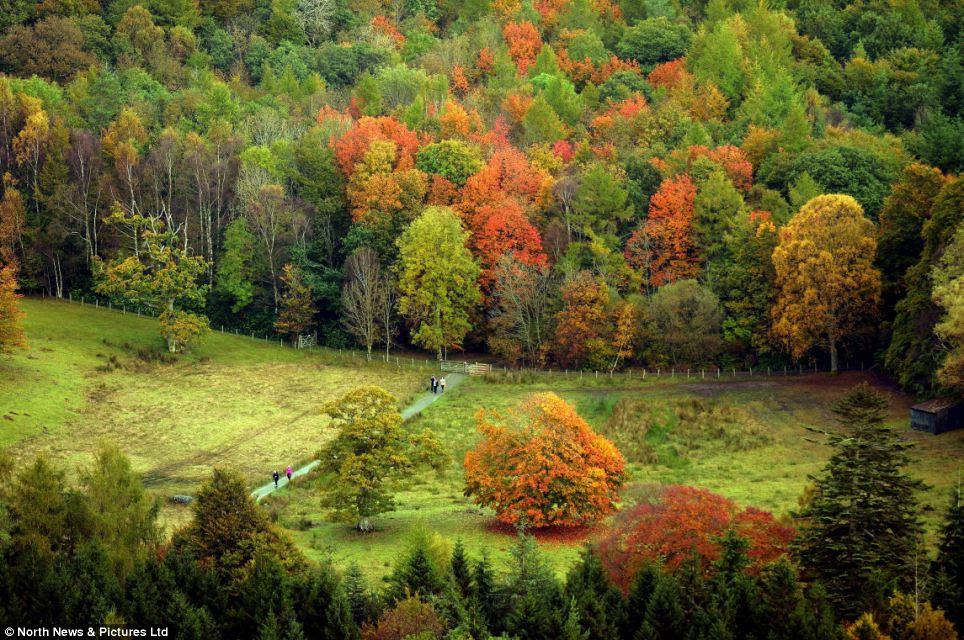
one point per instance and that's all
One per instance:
(937, 416)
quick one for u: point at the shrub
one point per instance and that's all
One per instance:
(677, 522)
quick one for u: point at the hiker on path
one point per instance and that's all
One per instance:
(288, 472)
(276, 477)
(442, 384)
(434, 385)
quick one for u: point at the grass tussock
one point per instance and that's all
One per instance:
(669, 433)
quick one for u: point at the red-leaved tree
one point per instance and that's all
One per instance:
(542, 465)
(501, 229)
(677, 522)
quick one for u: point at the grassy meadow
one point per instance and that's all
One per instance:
(744, 439)
(92, 375)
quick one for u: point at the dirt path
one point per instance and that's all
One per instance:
(417, 406)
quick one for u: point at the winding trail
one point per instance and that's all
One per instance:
(421, 401)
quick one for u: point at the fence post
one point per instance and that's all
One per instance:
(96, 303)
(672, 372)
(644, 372)
(657, 372)
(717, 372)
(703, 374)
(597, 375)
(734, 372)
(70, 297)
(751, 371)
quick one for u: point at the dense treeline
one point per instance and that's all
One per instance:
(579, 184)
(682, 563)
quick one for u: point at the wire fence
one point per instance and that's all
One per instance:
(495, 372)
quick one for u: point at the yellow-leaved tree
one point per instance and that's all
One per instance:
(827, 286)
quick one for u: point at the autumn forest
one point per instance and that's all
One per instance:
(550, 185)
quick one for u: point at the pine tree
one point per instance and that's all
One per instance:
(533, 592)
(571, 625)
(323, 605)
(819, 612)
(416, 575)
(735, 597)
(863, 526)
(484, 595)
(948, 592)
(640, 593)
(782, 603)
(460, 569)
(665, 618)
(598, 603)
(360, 602)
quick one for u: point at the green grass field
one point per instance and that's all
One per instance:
(90, 375)
(743, 439)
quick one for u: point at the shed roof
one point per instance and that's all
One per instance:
(935, 405)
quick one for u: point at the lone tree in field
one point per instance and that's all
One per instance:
(827, 286)
(370, 451)
(160, 275)
(368, 300)
(437, 279)
(543, 466)
(862, 528)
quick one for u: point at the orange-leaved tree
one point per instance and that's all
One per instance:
(11, 223)
(582, 321)
(827, 286)
(542, 465)
(350, 149)
(524, 42)
(669, 229)
(677, 522)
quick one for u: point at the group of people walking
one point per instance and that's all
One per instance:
(277, 476)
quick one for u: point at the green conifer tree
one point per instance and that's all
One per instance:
(862, 528)
(948, 592)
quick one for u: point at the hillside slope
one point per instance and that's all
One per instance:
(92, 375)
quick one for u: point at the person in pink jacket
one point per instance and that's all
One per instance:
(288, 472)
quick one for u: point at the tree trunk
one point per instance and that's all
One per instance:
(365, 525)
(833, 355)
(171, 343)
